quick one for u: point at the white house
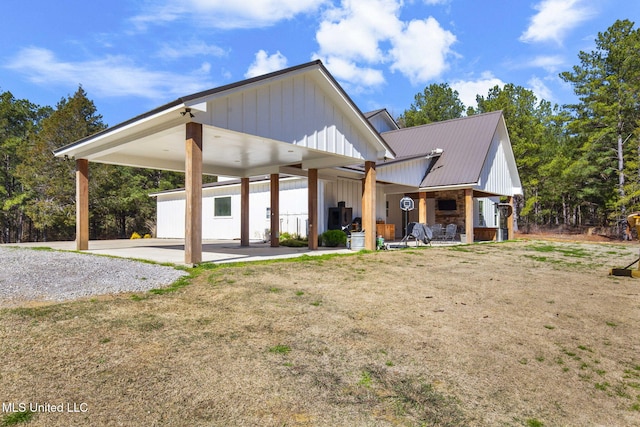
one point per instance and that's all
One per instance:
(434, 163)
(298, 122)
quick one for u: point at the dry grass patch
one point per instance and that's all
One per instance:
(519, 333)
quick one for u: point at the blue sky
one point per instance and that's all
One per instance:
(132, 56)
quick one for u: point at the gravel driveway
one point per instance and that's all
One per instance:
(42, 275)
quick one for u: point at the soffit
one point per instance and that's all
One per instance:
(157, 139)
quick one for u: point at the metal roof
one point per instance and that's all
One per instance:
(465, 144)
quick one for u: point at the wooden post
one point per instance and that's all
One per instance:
(468, 208)
(244, 212)
(369, 206)
(275, 210)
(193, 190)
(82, 204)
(312, 182)
(512, 218)
(422, 208)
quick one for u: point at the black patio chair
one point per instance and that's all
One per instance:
(420, 232)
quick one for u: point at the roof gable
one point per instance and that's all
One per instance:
(382, 120)
(296, 116)
(499, 173)
(466, 145)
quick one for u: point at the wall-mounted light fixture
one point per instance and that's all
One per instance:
(435, 152)
(433, 157)
(187, 111)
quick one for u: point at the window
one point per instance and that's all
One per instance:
(222, 206)
(481, 221)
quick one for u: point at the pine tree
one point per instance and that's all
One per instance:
(531, 132)
(606, 83)
(19, 120)
(50, 181)
(438, 102)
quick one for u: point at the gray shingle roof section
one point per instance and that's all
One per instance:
(465, 143)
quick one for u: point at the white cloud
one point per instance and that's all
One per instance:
(469, 89)
(265, 63)
(205, 68)
(356, 30)
(158, 15)
(420, 52)
(112, 76)
(540, 89)
(550, 63)
(358, 77)
(190, 49)
(554, 19)
(226, 14)
(363, 34)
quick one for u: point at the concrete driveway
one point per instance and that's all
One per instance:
(172, 250)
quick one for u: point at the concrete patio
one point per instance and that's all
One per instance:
(172, 250)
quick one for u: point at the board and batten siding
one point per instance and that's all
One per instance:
(296, 111)
(293, 211)
(496, 177)
(293, 208)
(350, 192)
(170, 215)
(381, 124)
(484, 212)
(410, 172)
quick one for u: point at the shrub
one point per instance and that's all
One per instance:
(135, 236)
(286, 236)
(294, 243)
(333, 238)
(293, 240)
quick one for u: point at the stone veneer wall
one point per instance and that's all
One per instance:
(451, 217)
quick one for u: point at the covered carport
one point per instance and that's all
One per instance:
(295, 121)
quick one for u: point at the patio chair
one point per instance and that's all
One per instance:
(419, 232)
(436, 230)
(450, 232)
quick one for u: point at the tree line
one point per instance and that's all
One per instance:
(37, 190)
(579, 164)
